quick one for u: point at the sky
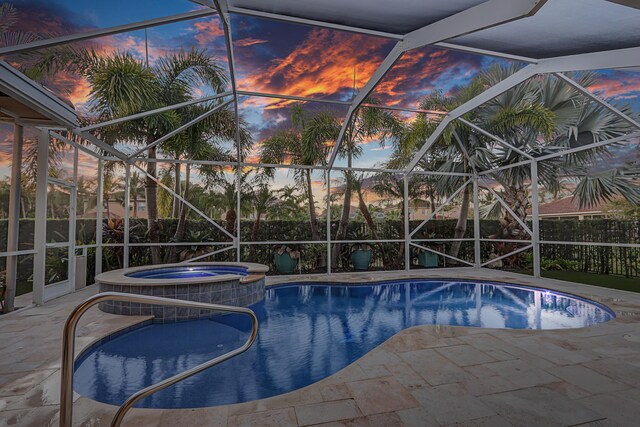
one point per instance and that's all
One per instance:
(272, 57)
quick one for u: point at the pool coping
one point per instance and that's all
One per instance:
(119, 277)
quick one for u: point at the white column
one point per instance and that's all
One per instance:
(407, 237)
(40, 222)
(73, 208)
(328, 211)
(476, 223)
(14, 218)
(535, 238)
(127, 196)
(99, 209)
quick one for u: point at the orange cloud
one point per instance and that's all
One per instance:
(620, 85)
(249, 41)
(323, 64)
(208, 31)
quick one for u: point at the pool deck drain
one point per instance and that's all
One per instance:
(422, 376)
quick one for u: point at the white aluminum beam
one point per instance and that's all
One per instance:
(185, 201)
(591, 146)
(441, 207)
(75, 145)
(179, 129)
(11, 270)
(598, 100)
(101, 32)
(102, 145)
(208, 254)
(482, 16)
(477, 261)
(151, 112)
(506, 84)
(605, 60)
(535, 219)
(99, 212)
(223, 10)
(442, 254)
(358, 30)
(40, 223)
(517, 251)
(495, 138)
(511, 212)
(407, 235)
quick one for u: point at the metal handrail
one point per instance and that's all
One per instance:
(68, 350)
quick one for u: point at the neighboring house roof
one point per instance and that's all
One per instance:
(570, 206)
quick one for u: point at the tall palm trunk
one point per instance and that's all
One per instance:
(182, 221)
(344, 219)
(175, 211)
(254, 232)
(461, 225)
(315, 235)
(516, 197)
(362, 205)
(151, 191)
(230, 221)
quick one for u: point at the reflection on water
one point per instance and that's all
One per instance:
(307, 332)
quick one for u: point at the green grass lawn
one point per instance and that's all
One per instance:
(606, 281)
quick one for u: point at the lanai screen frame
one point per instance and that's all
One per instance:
(485, 15)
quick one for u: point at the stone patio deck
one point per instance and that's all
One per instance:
(422, 376)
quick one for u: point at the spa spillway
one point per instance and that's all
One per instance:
(229, 283)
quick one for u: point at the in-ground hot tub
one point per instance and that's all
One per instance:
(229, 283)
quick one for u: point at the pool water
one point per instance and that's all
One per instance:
(187, 272)
(307, 332)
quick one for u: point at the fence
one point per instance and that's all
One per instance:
(617, 260)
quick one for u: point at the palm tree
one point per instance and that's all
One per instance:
(392, 186)
(304, 144)
(202, 141)
(122, 85)
(263, 201)
(136, 190)
(539, 116)
(365, 123)
(229, 200)
(113, 190)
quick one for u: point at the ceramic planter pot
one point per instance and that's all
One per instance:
(284, 263)
(428, 259)
(361, 259)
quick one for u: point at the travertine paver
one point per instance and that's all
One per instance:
(324, 412)
(423, 376)
(380, 395)
(451, 403)
(539, 406)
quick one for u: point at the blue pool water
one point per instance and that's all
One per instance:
(188, 272)
(307, 332)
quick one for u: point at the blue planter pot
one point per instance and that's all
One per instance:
(361, 259)
(284, 263)
(427, 259)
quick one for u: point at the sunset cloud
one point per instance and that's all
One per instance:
(208, 31)
(321, 65)
(620, 85)
(249, 41)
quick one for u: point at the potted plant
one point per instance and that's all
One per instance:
(427, 259)
(286, 259)
(361, 255)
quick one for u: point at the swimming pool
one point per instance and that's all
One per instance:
(307, 332)
(187, 272)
